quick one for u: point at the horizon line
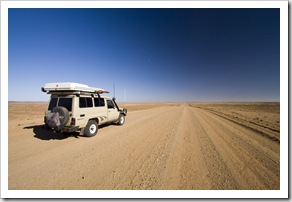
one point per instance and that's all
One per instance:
(165, 101)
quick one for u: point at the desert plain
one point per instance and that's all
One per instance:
(161, 146)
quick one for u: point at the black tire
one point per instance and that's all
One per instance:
(91, 128)
(121, 120)
(63, 114)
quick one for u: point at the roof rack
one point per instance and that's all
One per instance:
(69, 88)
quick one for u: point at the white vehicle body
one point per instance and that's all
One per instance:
(79, 107)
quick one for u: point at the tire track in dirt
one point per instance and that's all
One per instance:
(268, 132)
(186, 168)
(252, 158)
(219, 174)
(151, 164)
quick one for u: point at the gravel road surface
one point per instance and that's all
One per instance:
(169, 147)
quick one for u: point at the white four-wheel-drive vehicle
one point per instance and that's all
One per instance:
(78, 107)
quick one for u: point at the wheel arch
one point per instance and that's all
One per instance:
(92, 119)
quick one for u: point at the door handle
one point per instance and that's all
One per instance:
(82, 115)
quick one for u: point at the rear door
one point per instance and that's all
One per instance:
(61, 101)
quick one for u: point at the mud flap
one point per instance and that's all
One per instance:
(81, 131)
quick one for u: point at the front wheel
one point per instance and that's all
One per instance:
(91, 128)
(121, 120)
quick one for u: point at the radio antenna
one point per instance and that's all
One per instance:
(114, 90)
(125, 95)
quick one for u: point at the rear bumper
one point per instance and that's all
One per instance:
(65, 129)
(69, 129)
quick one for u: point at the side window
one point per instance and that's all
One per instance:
(98, 102)
(82, 102)
(85, 102)
(110, 104)
(89, 102)
(53, 103)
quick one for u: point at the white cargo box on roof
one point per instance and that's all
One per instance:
(71, 87)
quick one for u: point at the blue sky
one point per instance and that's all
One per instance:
(151, 54)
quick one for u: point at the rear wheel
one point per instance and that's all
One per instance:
(91, 128)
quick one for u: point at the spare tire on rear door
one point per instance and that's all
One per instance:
(63, 115)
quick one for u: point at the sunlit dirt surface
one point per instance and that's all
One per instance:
(161, 146)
